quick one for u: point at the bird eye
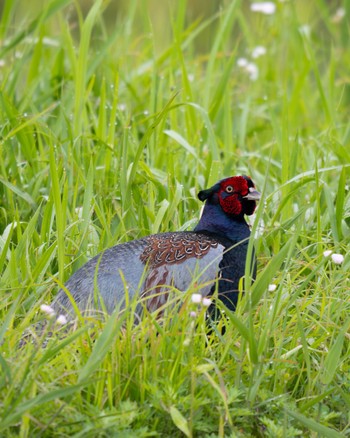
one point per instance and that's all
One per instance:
(229, 189)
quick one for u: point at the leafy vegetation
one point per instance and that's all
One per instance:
(113, 117)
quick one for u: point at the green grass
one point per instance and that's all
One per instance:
(110, 124)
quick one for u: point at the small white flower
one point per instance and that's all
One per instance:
(272, 288)
(249, 67)
(61, 320)
(193, 314)
(48, 310)
(305, 30)
(206, 302)
(253, 71)
(339, 15)
(267, 8)
(242, 62)
(337, 258)
(258, 51)
(196, 298)
(79, 212)
(327, 253)
(186, 342)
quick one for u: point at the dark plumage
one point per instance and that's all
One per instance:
(152, 266)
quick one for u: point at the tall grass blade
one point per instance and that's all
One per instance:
(102, 345)
(332, 362)
(314, 426)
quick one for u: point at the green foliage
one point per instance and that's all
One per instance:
(112, 117)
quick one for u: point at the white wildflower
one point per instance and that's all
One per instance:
(61, 320)
(206, 302)
(258, 51)
(267, 8)
(337, 258)
(193, 314)
(272, 288)
(327, 253)
(253, 71)
(339, 15)
(48, 310)
(196, 298)
(79, 212)
(242, 62)
(249, 67)
(305, 30)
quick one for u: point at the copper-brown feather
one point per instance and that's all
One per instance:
(175, 248)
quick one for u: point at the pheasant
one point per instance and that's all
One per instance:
(211, 256)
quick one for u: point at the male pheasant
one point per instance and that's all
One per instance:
(212, 255)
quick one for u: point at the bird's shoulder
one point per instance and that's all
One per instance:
(177, 247)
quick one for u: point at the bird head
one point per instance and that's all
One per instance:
(236, 195)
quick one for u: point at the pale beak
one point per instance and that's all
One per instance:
(253, 195)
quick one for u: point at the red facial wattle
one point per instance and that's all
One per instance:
(230, 204)
(231, 196)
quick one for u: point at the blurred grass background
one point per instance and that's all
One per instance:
(113, 115)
